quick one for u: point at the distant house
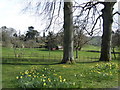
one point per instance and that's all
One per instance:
(59, 47)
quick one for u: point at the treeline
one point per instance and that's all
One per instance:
(32, 39)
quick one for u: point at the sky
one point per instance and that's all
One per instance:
(12, 16)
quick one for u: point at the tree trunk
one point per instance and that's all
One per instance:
(107, 31)
(68, 33)
(76, 52)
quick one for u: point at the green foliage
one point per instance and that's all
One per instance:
(44, 78)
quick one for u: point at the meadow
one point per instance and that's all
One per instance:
(28, 73)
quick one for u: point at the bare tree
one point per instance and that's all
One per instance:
(106, 14)
(79, 39)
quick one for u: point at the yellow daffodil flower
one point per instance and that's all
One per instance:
(43, 80)
(44, 84)
(21, 77)
(60, 80)
(64, 80)
(17, 77)
(60, 76)
(55, 74)
(29, 75)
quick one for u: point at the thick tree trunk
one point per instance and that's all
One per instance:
(107, 31)
(68, 33)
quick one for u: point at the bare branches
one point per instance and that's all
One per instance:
(95, 23)
(116, 13)
(88, 17)
(51, 19)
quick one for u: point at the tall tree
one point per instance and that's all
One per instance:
(107, 16)
(68, 33)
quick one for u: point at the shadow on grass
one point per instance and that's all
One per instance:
(21, 61)
(31, 63)
(89, 62)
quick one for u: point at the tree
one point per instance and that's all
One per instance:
(51, 41)
(79, 40)
(106, 14)
(7, 35)
(68, 33)
(31, 33)
(115, 41)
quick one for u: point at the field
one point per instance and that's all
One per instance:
(87, 74)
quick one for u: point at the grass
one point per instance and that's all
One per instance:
(42, 51)
(41, 54)
(77, 73)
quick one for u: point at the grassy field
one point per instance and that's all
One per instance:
(79, 75)
(39, 51)
(41, 54)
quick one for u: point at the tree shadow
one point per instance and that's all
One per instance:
(30, 64)
(88, 62)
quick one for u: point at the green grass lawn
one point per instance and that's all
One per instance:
(81, 75)
(42, 54)
(77, 73)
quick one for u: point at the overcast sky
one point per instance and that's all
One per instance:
(12, 16)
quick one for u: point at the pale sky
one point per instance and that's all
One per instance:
(12, 16)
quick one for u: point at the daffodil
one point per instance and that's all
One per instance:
(26, 72)
(74, 83)
(55, 74)
(21, 77)
(49, 80)
(35, 76)
(43, 75)
(17, 77)
(43, 80)
(64, 80)
(44, 84)
(60, 80)
(29, 75)
(64, 66)
(98, 72)
(60, 77)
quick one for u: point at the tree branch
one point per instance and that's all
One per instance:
(116, 13)
(95, 22)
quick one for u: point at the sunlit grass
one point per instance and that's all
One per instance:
(83, 75)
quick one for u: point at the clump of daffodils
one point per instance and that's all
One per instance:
(44, 78)
(103, 71)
